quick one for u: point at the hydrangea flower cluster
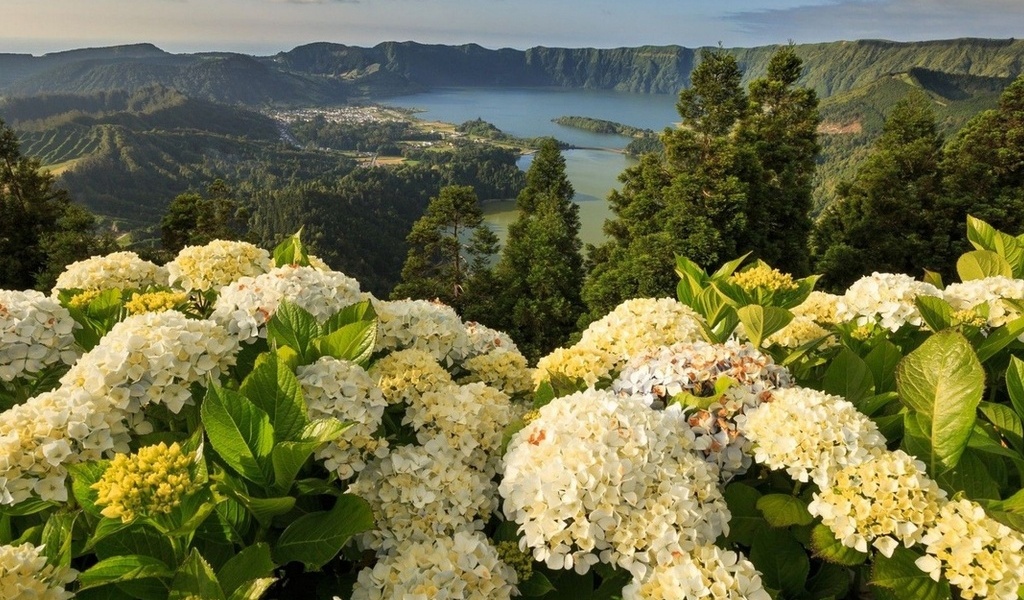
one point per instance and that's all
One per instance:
(154, 302)
(345, 391)
(406, 375)
(991, 293)
(577, 363)
(210, 267)
(810, 434)
(503, 368)
(464, 566)
(483, 339)
(24, 573)
(151, 482)
(762, 276)
(974, 552)
(884, 299)
(801, 330)
(423, 325)
(706, 572)
(118, 270)
(421, 493)
(35, 332)
(245, 306)
(885, 500)
(656, 376)
(820, 307)
(595, 478)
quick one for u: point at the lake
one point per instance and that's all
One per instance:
(593, 169)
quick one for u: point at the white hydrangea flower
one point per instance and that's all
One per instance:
(503, 368)
(656, 376)
(216, 264)
(576, 362)
(420, 493)
(990, 292)
(154, 358)
(706, 572)
(820, 307)
(483, 339)
(801, 330)
(884, 299)
(343, 390)
(406, 375)
(598, 478)
(464, 566)
(245, 306)
(24, 574)
(471, 417)
(883, 501)
(810, 434)
(974, 552)
(35, 332)
(640, 324)
(423, 325)
(118, 270)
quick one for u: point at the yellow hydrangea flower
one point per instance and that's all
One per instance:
(154, 302)
(150, 482)
(82, 299)
(764, 277)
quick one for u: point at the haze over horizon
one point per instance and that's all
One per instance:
(270, 26)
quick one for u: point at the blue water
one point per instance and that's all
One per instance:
(527, 112)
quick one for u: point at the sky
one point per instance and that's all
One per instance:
(268, 26)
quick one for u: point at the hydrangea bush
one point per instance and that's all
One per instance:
(239, 425)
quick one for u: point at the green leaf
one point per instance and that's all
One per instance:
(831, 581)
(826, 547)
(83, 476)
(762, 321)
(712, 304)
(971, 476)
(190, 514)
(933, 278)
(240, 432)
(57, 537)
(985, 237)
(848, 376)
(936, 312)
(1006, 421)
(783, 510)
(295, 327)
(943, 381)
(252, 562)
(782, 561)
(905, 579)
(315, 538)
(746, 520)
(288, 458)
(273, 387)
(1015, 384)
(253, 590)
(536, 586)
(123, 568)
(354, 342)
(360, 311)
(980, 264)
(324, 430)
(265, 509)
(291, 252)
(139, 540)
(1000, 338)
(195, 579)
(728, 268)
(882, 361)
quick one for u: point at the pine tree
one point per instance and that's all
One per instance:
(193, 220)
(448, 245)
(540, 273)
(889, 217)
(41, 230)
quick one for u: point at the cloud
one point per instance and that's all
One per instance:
(888, 19)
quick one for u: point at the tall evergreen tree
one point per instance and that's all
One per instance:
(540, 273)
(889, 218)
(781, 130)
(448, 245)
(192, 219)
(41, 230)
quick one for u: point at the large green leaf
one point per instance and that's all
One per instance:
(828, 548)
(265, 509)
(900, 575)
(980, 264)
(762, 321)
(1015, 384)
(315, 538)
(240, 432)
(295, 327)
(83, 476)
(251, 563)
(782, 561)
(273, 387)
(999, 339)
(360, 311)
(123, 568)
(882, 361)
(195, 579)
(288, 458)
(291, 251)
(848, 376)
(253, 590)
(139, 540)
(354, 342)
(943, 381)
(936, 312)
(746, 520)
(57, 537)
(783, 510)
(985, 237)
(1006, 421)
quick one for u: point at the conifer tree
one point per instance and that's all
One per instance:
(540, 273)
(448, 246)
(41, 230)
(888, 218)
(193, 220)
